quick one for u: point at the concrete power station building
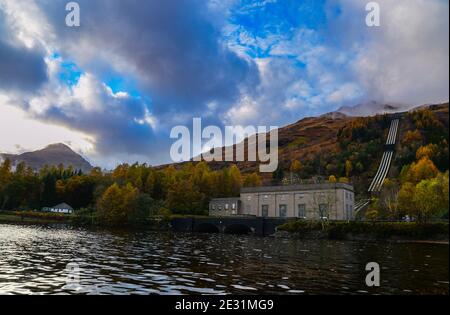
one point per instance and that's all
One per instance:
(330, 201)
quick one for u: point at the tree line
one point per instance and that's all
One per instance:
(129, 193)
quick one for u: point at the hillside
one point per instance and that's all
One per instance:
(333, 147)
(52, 155)
(343, 146)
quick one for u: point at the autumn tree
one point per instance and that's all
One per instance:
(252, 180)
(184, 198)
(348, 168)
(110, 205)
(5, 179)
(423, 169)
(443, 182)
(406, 198)
(389, 197)
(372, 214)
(427, 199)
(119, 174)
(295, 170)
(235, 181)
(118, 205)
(412, 136)
(427, 151)
(225, 180)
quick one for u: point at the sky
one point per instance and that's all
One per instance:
(114, 87)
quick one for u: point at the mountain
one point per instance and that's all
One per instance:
(373, 108)
(52, 155)
(324, 144)
(302, 140)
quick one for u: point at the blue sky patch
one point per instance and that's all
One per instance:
(70, 73)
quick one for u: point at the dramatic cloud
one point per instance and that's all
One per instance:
(21, 68)
(116, 122)
(170, 53)
(134, 68)
(406, 59)
(326, 56)
(172, 48)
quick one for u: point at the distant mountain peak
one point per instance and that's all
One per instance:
(58, 147)
(52, 155)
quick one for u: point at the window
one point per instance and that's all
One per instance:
(323, 210)
(227, 206)
(220, 208)
(233, 206)
(302, 211)
(265, 210)
(348, 195)
(249, 198)
(283, 211)
(213, 207)
(266, 197)
(349, 212)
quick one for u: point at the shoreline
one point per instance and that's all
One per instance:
(367, 237)
(304, 234)
(17, 219)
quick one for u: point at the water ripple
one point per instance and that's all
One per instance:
(34, 260)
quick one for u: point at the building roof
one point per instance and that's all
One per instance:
(323, 186)
(62, 206)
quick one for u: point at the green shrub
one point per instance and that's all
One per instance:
(381, 230)
(43, 215)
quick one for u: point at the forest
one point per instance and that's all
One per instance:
(128, 194)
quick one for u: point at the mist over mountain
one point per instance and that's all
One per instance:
(373, 108)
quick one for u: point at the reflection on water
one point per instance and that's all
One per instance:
(33, 260)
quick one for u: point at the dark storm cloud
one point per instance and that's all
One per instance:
(21, 69)
(171, 47)
(115, 131)
(171, 50)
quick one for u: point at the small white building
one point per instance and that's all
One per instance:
(61, 208)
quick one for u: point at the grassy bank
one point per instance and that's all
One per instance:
(33, 217)
(80, 219)
(367, 230)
